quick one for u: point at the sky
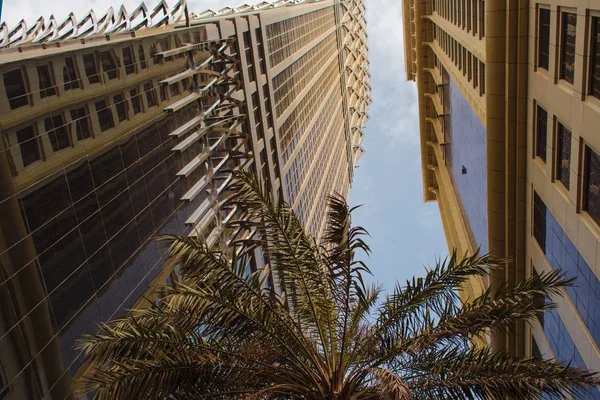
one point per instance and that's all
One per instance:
(406, 233)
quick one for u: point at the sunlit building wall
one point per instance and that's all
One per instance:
(509, 114)
(123, 127)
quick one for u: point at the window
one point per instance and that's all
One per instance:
(174, 89)
(91, 68)
(128, 60)
(142, 57)
(136, 101)
(57, 132)
(482, 79)
(45, 81)
(475, 72)
(109, 65)
(105, 117)
(539, 221)
(541, 132)
(16, 91)
(591, 184)
(595, 58)
(70, 74)
(81, 118)
(150, 94)
(563, 155)
(185, 84)
(28, 144)
(567, 46)
(543, 38)
(163, 92)
(482, 17)
(121, 106)
(153, 52)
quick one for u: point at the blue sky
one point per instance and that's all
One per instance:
(406, 233)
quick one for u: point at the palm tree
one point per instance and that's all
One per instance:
(225, 332)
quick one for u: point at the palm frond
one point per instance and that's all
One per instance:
(224, 332)
(477, 373)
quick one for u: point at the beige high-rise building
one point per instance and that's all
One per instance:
(509, 106)
(119, 127)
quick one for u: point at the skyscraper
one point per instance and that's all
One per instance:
(121, 127)
(509, 116)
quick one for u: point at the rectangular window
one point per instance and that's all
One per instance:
(109, 65)
(482, 79)
(567, 46)
(150, 94)
(45, 80)
(57, 132)
(563, 155)
(543, 38)
(28, 144)
(136, 101)
(70, 76)
(482, 17)
(128, 60)
(539, 221)
(475, 72)
(121, 106)
(163, 92)
(591, 183)
(595, 58)
(91, 68)
(142, 57)
(541, 132)
(81, 118)
(105, 117)
(16, 91)
(174, 89)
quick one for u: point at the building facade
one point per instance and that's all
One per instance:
(509, 114)
(120, 128)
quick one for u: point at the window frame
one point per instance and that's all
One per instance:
(538, 42)
(590, 73)
(65, 125)
(49, 89)
(26, 87)
(536, 132)
(72, 84)
(36, 138)
(129, 68)
(135, 96)
(559, 129)
(114, 73)
(107, 106)
(124, 103)
(538, 233)
(562, 70)
(150, 94)
(93, 78)
(75, 123)
(586, 150)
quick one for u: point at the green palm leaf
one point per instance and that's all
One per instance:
(223, 331)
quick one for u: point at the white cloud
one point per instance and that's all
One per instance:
(394, 113)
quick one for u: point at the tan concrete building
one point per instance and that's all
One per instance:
(119, 128)
(510, 136)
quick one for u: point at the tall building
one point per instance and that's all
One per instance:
(125, 126)
(509, 110)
